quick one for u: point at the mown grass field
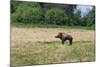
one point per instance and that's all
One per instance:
(35, 45)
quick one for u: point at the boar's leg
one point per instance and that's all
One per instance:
(70, 42)
(63, 41)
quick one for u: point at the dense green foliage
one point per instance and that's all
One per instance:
(47, 13)
(90, 18)
(56, 16)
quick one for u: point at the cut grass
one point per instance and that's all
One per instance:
(32, 53)
(31, 46)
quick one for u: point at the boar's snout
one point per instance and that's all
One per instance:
(56, 36)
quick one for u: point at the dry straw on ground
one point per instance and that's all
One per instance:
(44, 34)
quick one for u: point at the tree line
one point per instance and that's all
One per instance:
(50, 13)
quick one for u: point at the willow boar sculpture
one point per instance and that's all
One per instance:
(64, 37)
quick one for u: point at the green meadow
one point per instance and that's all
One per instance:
(37, 45)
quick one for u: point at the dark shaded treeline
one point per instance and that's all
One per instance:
(49, 13)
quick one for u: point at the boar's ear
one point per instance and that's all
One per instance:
(60, 33)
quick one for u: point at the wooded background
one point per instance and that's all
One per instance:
(50, 13)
